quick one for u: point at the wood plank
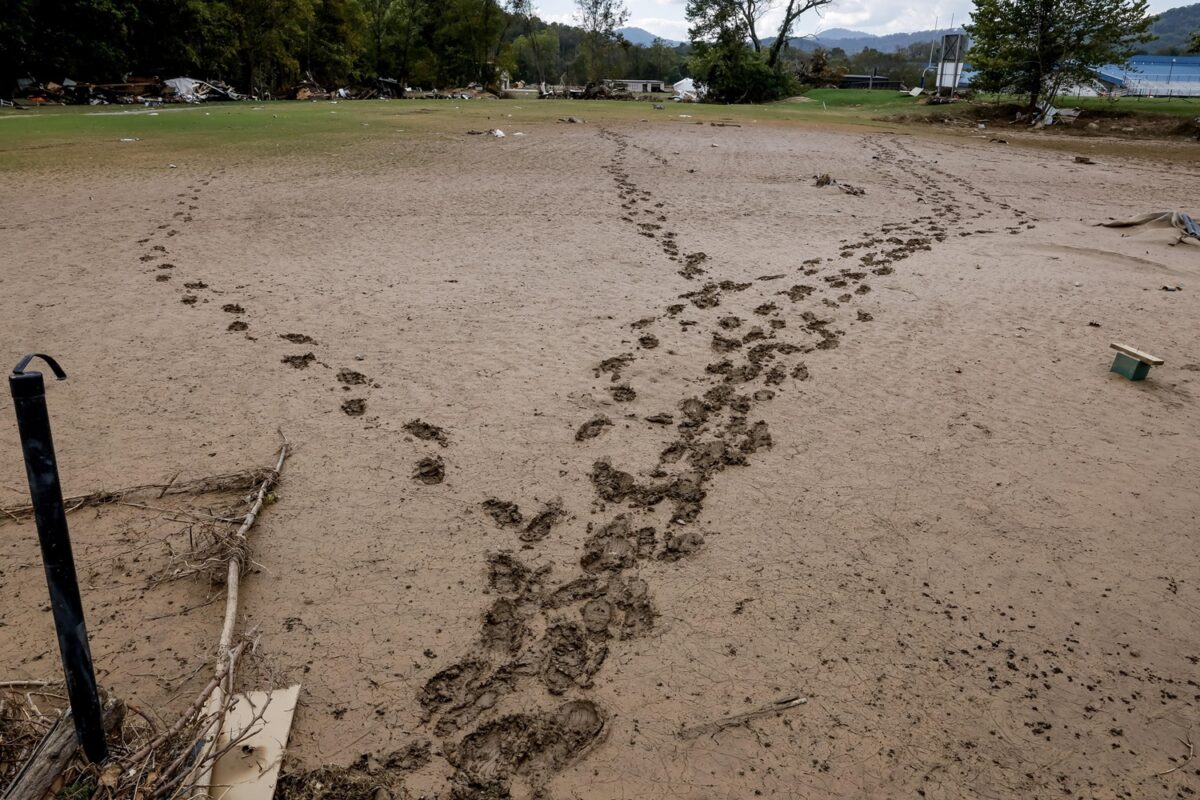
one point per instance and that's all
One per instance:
(250, 770)
(1145, 358)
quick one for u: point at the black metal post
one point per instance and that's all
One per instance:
(33, 422)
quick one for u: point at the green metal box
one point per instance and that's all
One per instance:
(1130, 367)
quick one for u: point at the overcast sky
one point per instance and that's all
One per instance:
(665, 17)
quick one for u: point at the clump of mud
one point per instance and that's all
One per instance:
(299, 362)
(362, 780)
(355, 407)
(503, 513)
(543, 522)
(427, 432)
(534, 746)
(623, 393)
(233, 308)
(430, 470)
(238, 325)
(297, 338)
(613, 366)
(592, 428)
(351, 378)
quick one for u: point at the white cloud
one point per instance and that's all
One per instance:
(666, 17)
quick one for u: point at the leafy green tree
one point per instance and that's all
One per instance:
(195, 38)
(467, 38)
(16, 29)
(537, 56)
(270, 37)
(711, 17)
(599, 20)
(379, 27)
(264, 46)
(335, 41)
(733, 72)
(662, 62)
(1038, 47)
(81, 39)
(408, 19)
(1194, 43)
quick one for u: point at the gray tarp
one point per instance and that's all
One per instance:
(1160, 219)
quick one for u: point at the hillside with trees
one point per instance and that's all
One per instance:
(266, 46)
(1172, 30)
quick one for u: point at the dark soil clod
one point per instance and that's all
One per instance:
(299, 362)
(430, 470)
(430, 433)
(592, 428)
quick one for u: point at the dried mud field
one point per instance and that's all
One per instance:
(614, 439)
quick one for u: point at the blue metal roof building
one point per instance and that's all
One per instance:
(1162, 76)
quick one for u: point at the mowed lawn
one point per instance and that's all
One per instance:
(62, 137)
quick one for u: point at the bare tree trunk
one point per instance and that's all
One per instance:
(747, 9)
(792, 13)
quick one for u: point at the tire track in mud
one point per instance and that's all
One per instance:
(543, 640)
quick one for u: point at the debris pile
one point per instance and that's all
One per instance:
(135, 91)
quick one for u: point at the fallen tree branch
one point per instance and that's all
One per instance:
(227, 658)
(227, 482)
(188, 715)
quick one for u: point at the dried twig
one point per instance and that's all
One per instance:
(188, 716)
(716, 726)
(227, 482)
(152, 762)
(24, 684)
(1191, 752)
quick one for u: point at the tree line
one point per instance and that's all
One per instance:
(265, 46)
(1034, 47)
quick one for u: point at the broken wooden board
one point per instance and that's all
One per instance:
(259, 724)
(1132, 352)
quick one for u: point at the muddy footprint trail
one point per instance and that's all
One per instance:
(176, 267)
(545, 637)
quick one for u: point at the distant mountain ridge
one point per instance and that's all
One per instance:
(644, 37)
(1172, 28)
(837, 34)
(854, 42)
